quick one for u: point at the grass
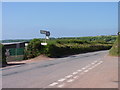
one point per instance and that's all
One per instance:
(115, 50)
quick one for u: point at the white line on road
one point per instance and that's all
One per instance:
(89, 68)
(79, 70)
(75, 73)
(93, 63)
(101, 61)
(61, 80)
(69, 76)
(75, 77)
(86, 71)
(83, 68)
(53, 84)
(93, 66)
(70, 80)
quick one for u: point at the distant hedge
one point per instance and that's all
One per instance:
(58, 50)
(3, 61)
(63, 48)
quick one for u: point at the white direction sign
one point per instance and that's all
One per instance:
(47, 33)
(43, 43)
(43, 31)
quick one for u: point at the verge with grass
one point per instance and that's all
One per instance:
(115, 50)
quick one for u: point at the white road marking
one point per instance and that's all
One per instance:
(75, 73)
(101, 61)
(83, 68)
(61, 80)
(69, 76)
(53, 84)
(61, 85)
(86, 71)
(75, 77)
(89, 68)
(70, 80)
(79, 70)
(92, 63)
(93, 66)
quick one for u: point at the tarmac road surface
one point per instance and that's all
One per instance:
(88, 70)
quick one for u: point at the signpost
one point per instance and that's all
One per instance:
(42, 31)
(47, 34)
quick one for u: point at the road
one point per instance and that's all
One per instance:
(89, 70)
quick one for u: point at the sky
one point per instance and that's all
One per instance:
(24, 20)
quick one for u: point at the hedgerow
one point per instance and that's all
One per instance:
(115, 50)
(58, 50)
(3, 61)
(64, 47)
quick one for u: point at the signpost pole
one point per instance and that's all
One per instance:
(45, 39)
(47, 34)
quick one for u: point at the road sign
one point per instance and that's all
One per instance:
(43, 43)
(47, 33)
(43, 31)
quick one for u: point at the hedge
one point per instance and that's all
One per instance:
(63, 48)
(3, 61)
(58, 50)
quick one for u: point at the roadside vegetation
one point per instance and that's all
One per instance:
(68, 46)
(60, 47)
(2, 56)
(115, 50)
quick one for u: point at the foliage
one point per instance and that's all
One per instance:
(58, 50)
(2, 55)
(115, 50)
(34, 49)
(67, 46)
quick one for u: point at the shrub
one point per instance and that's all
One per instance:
(115, 50)
(3, 61)
(64, 47)
(33, 49)
(58, 50)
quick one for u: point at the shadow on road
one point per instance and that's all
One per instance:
(12, 64)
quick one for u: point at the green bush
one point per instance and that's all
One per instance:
(2, 56)
(58, 50)
(64, 47)
(115, 50)
(67, 41)
(33, 49)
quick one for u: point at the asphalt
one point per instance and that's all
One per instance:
(64, 72)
